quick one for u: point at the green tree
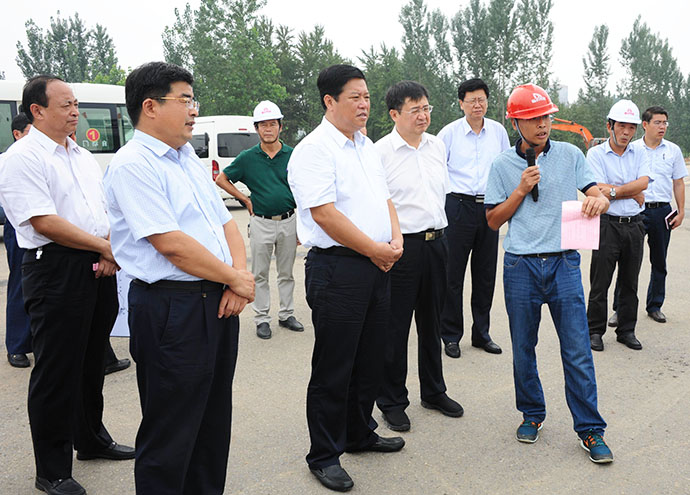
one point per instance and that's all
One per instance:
(596, 64)
(70, 50)
(534, 42)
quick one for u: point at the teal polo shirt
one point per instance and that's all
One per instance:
(265, 177)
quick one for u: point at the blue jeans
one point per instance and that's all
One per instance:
(530, 282)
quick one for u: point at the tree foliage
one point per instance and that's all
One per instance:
(69, 50)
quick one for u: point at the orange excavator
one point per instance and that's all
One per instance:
(570, 126)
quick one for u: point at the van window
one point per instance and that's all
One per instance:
(124, 125)
(6, 114)
(232, 144)
(95, 128)
(200, 143)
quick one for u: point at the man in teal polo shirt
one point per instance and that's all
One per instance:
(263, 169)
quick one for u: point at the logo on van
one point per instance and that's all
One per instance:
(537, 97)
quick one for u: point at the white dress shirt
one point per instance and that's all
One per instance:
(417, 180)
(614, 169)
(666, 164)
(469, 155)
(327, 167)
(41, 177)
(154, 189)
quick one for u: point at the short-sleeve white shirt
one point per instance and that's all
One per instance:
(469, 155)
(417, 180)
(40, 177)
(666, 164)
(327, 167)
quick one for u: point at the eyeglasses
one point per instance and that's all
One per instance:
(473, 101)
(417, 110)
(660, 123)
(190, 103)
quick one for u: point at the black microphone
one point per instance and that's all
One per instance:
(531, 161)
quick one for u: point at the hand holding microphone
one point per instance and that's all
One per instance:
(531, 162)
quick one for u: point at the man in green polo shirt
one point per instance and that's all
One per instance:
(263, 169)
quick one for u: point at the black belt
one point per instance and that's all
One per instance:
(182, 285)
(427, 235)
(337, 251)
(657, 204)
(546, 255)
(615, 219)
(57, 248)
(282, 216)
(479, 198)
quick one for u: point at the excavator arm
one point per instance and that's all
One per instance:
(570, 126)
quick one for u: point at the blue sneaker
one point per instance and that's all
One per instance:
(528, 432)
(597, 448)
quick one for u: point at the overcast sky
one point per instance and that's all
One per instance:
(136, 26)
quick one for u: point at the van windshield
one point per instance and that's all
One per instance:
(231, 144)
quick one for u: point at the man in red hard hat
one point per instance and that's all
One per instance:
(537, 271)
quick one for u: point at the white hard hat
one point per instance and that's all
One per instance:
(266, 110)
(625, 111)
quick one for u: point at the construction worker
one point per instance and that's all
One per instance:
(622, 174)
(667, 167)
(537, 271)
(272, 226)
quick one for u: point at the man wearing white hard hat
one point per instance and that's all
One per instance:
(272, 226)
(622, 174)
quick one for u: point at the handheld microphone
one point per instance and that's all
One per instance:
(531, 161)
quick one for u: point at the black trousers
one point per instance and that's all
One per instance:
(619, 244)
(350, 302)
(467, 233)
(185, 359)
(17, 326)
(72, 313)
(418, 284)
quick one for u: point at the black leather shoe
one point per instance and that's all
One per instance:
(263, 331)
(119, 365)
(613, 321)
(444, 404)
(595, 342)
(657, 316)
(67, 486)
(115, 452)
(383, 444)
(453, 349)
(491, 347)
(18, 360)
(291, 324)
(397, 420)
(334, 478)
(630, 340)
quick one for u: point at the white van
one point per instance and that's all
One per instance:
(218, 139)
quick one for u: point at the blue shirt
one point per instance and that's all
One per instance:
(535, 227)
(152, 188)
(614, 169)
(469, 155)
(666, 164)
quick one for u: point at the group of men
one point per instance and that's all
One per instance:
(390, 228)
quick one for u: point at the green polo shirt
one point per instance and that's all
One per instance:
(265, 177)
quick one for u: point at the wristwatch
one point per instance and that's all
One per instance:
(612, 193)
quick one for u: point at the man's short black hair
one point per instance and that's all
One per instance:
(399, 92)
(280, 123)
(652, 111)
(151, 80)
(472, 85)
(332, 79)
(35, 92)
(19, 122)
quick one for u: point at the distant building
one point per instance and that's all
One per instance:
(563, 94)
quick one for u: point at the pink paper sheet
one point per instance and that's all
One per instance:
(578, 231)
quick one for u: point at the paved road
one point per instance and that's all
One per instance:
(644, 396)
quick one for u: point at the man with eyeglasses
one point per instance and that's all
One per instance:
(272, 225)
(53, 195)
(538, 271)
(667, 168)
(172, 233)
(417, 177)
(472, 143)
(622, 173)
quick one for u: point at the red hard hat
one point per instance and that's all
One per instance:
(528, 101)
